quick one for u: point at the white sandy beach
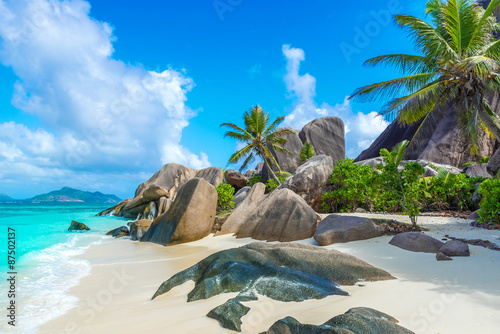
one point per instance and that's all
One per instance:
(459, 296)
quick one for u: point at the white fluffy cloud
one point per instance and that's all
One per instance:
(98, 113)
(361, 129)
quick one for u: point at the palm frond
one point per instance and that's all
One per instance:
(405, 63)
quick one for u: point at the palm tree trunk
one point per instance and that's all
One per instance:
(270, 170)
(492, 127)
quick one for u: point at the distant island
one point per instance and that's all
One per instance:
(5, 198)
(67, 194)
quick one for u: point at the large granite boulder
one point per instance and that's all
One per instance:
(164, 204)
(172, 176)
(284, 272)
(289, 162)
(245, 210)
(416, 242)
(163, 184)
(235, 179)
(76, 226)
(139, 228)
(326, 135)
(281, 216)
(358, 320)
(443, 143)
(337, 229)
(310, 180)
(494, 164)
(241, 195)
(190, 217)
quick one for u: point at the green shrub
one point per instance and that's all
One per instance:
(225, 199)
(490, 203)
(256, 178)
(271, 184)
(350, 184)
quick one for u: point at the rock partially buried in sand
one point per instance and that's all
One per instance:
(335, 229)
(358, 320)
(76, 226)
(416, 242)
(190, 217)
(455, 248)
(284, 272)
(442, 257)
(281, 216)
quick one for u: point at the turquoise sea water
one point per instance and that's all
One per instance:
(46, 257)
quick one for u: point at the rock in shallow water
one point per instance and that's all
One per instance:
(284, 272)
(358, 320)
(76, 226)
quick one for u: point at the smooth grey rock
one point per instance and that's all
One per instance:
(442, 257)
(494, 164)
(326, 135)
(289, 162)
(153, 193)
(416, 242)
(240, 195)
(479, 170)
(280, 216)
(474, 215)
(455, 248)
(310, 179)
(249, 173)
(336, 229)
(358, 320)
(284, 272)
(76, 226)
(190, 217)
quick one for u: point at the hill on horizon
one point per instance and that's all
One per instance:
(67, 194)
(5, 198)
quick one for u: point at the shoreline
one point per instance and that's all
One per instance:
(459, 296)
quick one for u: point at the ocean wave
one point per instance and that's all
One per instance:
(46, 279)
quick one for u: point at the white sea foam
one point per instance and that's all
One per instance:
(47, 278)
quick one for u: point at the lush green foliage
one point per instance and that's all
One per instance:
(490, 203)
(259, 136)
(395, 188)
(351, 184)
(307, 152)
(225, 200)
(256, 178)
(457, 60)
(271, 184)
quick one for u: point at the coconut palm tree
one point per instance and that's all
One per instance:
(457, 63)
(259, 137)
(307, 152)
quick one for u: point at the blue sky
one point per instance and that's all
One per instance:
(98, 95)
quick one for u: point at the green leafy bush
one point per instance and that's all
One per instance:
(256, 178)
(490, 203)
(225, 200)
(350, 184)
(271, 184)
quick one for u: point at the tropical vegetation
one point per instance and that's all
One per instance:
(260, 136)
(457, 64)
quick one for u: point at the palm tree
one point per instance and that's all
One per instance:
(307, 152)
(458, 63)
(259, 137)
